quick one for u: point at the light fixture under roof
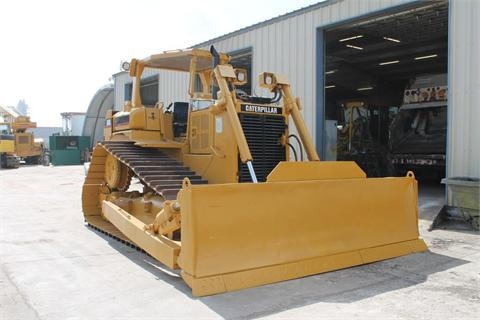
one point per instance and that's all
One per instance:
(354, 47)
(330, 86)
(391, 39)
(351, 38)
(364, 88)
(388, 62)
(331, 71)
(426, 57)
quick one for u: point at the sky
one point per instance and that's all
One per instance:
(56, 54)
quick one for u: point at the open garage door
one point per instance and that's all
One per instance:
(385, 91)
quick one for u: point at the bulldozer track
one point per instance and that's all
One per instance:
(153, 168)
(161, 173)
(109, 230)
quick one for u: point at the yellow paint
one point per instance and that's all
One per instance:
(7, 146)
(25, 145)
(305, 219)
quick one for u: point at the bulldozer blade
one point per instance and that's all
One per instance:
(237, 236)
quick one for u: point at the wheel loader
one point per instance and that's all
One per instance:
(220, 198)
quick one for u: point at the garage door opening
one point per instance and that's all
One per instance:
(385, 91)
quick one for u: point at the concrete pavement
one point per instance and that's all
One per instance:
(53, 267)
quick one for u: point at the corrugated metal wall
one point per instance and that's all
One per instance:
(463, 140)
(119, 81)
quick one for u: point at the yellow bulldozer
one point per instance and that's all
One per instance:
(220, 197)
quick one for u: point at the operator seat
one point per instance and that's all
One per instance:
(180, 118)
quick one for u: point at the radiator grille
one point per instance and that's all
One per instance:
(200, 140)
(263, 134)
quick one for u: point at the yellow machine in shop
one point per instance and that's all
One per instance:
(221, 199)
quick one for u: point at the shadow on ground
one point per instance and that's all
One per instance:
(342, 286)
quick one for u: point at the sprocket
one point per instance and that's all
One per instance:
(117, 175)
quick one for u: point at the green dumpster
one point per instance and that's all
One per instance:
(68, 150)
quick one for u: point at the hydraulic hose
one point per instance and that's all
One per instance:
(299, 145)
(293, 150)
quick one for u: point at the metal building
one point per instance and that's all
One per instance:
(95, 116)
(308, 43)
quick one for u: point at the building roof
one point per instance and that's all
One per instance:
(268, 22)
(10, 111)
